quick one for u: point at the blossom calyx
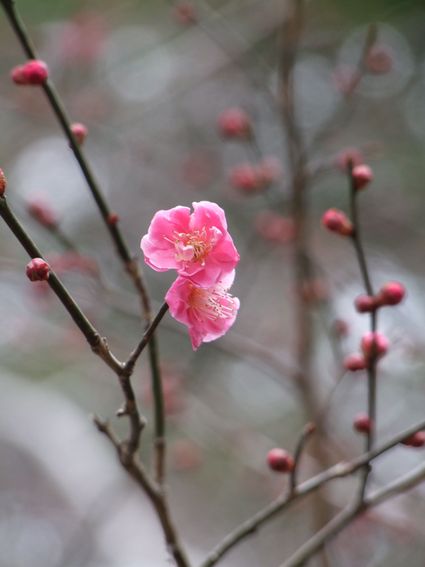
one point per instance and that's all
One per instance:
(38, 270)
(79, 132)
(337, 221)
(33, 72)
(280, 460)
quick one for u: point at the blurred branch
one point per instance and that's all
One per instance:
(130, 264)
(339, 470)
(335, 526)
(306, 433)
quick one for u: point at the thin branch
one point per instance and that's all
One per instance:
(154, 492)
(307, 431)
(339, 470)
(131, 264)
(337, 524)
(373, 359)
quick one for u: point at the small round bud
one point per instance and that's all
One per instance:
(38, 270)
(355, 362)
(3, 183)
(245, 178)
(337, 221)
(42, 213)
(269, 171)
(415, 440)
(374, 345)
(280, 460)
(33, 72)
(362, 176)
(113, 219)
(185, 13)
(349, 157)
(362, 423)
(234, 123)
(275, 227)
(365, 304)
(392, 293)
(79, 132)
(379, 60)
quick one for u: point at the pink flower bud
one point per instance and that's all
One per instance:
(38, 270)
(185, 13)
(280, 460)
(392, 293)
(379, 60)
(234, 123)
(362, 423)
(355, 362)
(415, 440)
(3, 183)
(80, 132)
(113, 219)
(365, 304)
(337, 221)
(341, 328)
(42, 213)
(374, 345)
(245, 178)
(33, 72)
(362, 176)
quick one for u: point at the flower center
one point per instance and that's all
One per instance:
(214, 303)
(194, 246)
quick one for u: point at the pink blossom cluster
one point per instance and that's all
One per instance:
(199, 247)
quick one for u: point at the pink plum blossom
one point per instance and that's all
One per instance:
(207, 312)
(196, 244)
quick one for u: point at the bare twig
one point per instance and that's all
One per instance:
(337, 524)
(339, 470)
(307, 431)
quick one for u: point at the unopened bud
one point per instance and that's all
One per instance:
(365, 304)
(280, 460)
(337, 221)
(362, 176)
(362, 423)
(3, 183)
(392, 293)
(38, 270)
(415, 440)
(33, 72)
(79, 131)
(234, 123)
(355, 362)
(374, 345)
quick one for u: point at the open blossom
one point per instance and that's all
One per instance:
(207, 312)
(196, 244)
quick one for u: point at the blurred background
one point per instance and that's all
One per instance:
(149, 79)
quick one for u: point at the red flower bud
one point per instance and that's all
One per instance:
(362, 176)
(3, 183)
(38, 270)
(337, 221)
(245, 177)
(113, 219)
(415, 440)
(280, 460)
(79, 131)
(365, 304)
(392, 293)
(355, 362)
(185, 13)
(33, 72)
(362, 423)
(234, 123)
(374, 345)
